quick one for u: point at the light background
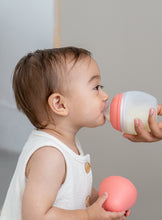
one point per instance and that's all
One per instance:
(125, 37)
(25, 26)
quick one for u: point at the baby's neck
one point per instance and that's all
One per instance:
(68, 138)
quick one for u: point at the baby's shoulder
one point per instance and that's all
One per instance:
(46, 158)
(47, 152)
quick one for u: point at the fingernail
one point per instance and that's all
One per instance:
(151, 111)
(136, 122)
(106, 194)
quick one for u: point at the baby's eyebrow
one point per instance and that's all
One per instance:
(94, 77)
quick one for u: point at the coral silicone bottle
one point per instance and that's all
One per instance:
(122, 193)
(125, 107)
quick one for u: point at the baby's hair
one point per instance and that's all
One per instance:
(39, 74)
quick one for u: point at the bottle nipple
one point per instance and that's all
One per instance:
(107, 109)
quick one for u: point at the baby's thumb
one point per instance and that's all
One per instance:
(102, 198)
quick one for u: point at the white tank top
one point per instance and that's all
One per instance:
(72, 194)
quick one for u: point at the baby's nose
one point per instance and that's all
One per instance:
(106, 96)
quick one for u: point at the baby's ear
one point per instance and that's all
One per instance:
(57, 104)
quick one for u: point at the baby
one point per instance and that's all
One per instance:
(60, 91)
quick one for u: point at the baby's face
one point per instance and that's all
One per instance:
(86, 99)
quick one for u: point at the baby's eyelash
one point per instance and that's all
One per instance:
(99, 86)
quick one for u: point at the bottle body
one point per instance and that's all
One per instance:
(125, 107)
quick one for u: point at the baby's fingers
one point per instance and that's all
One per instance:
(116, 215)
(102, 199)
(128, 213)
(110, 215)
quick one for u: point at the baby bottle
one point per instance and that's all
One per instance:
(125, 107)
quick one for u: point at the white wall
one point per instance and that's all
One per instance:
(25, 25)
(125, 37)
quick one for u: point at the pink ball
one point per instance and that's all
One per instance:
(122, 194)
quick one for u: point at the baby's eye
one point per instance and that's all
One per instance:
(97, 87)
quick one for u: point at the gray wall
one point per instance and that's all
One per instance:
(26, 25)
(125, 38)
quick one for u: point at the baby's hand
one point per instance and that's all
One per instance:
(144, 136)
(97, 212)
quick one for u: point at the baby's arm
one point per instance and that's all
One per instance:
(46, 172)
(144, 136)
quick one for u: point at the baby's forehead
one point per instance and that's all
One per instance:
(81, 59)
(73, 63)
(84, 69)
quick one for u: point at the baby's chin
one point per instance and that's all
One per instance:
(97, 122)
(101, 122)
(104, 121)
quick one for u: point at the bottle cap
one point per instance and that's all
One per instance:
(112, 111)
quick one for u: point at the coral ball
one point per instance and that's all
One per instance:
(122, 194)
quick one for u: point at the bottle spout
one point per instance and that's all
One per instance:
(107, 110)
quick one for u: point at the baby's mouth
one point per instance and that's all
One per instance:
(106, 106)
